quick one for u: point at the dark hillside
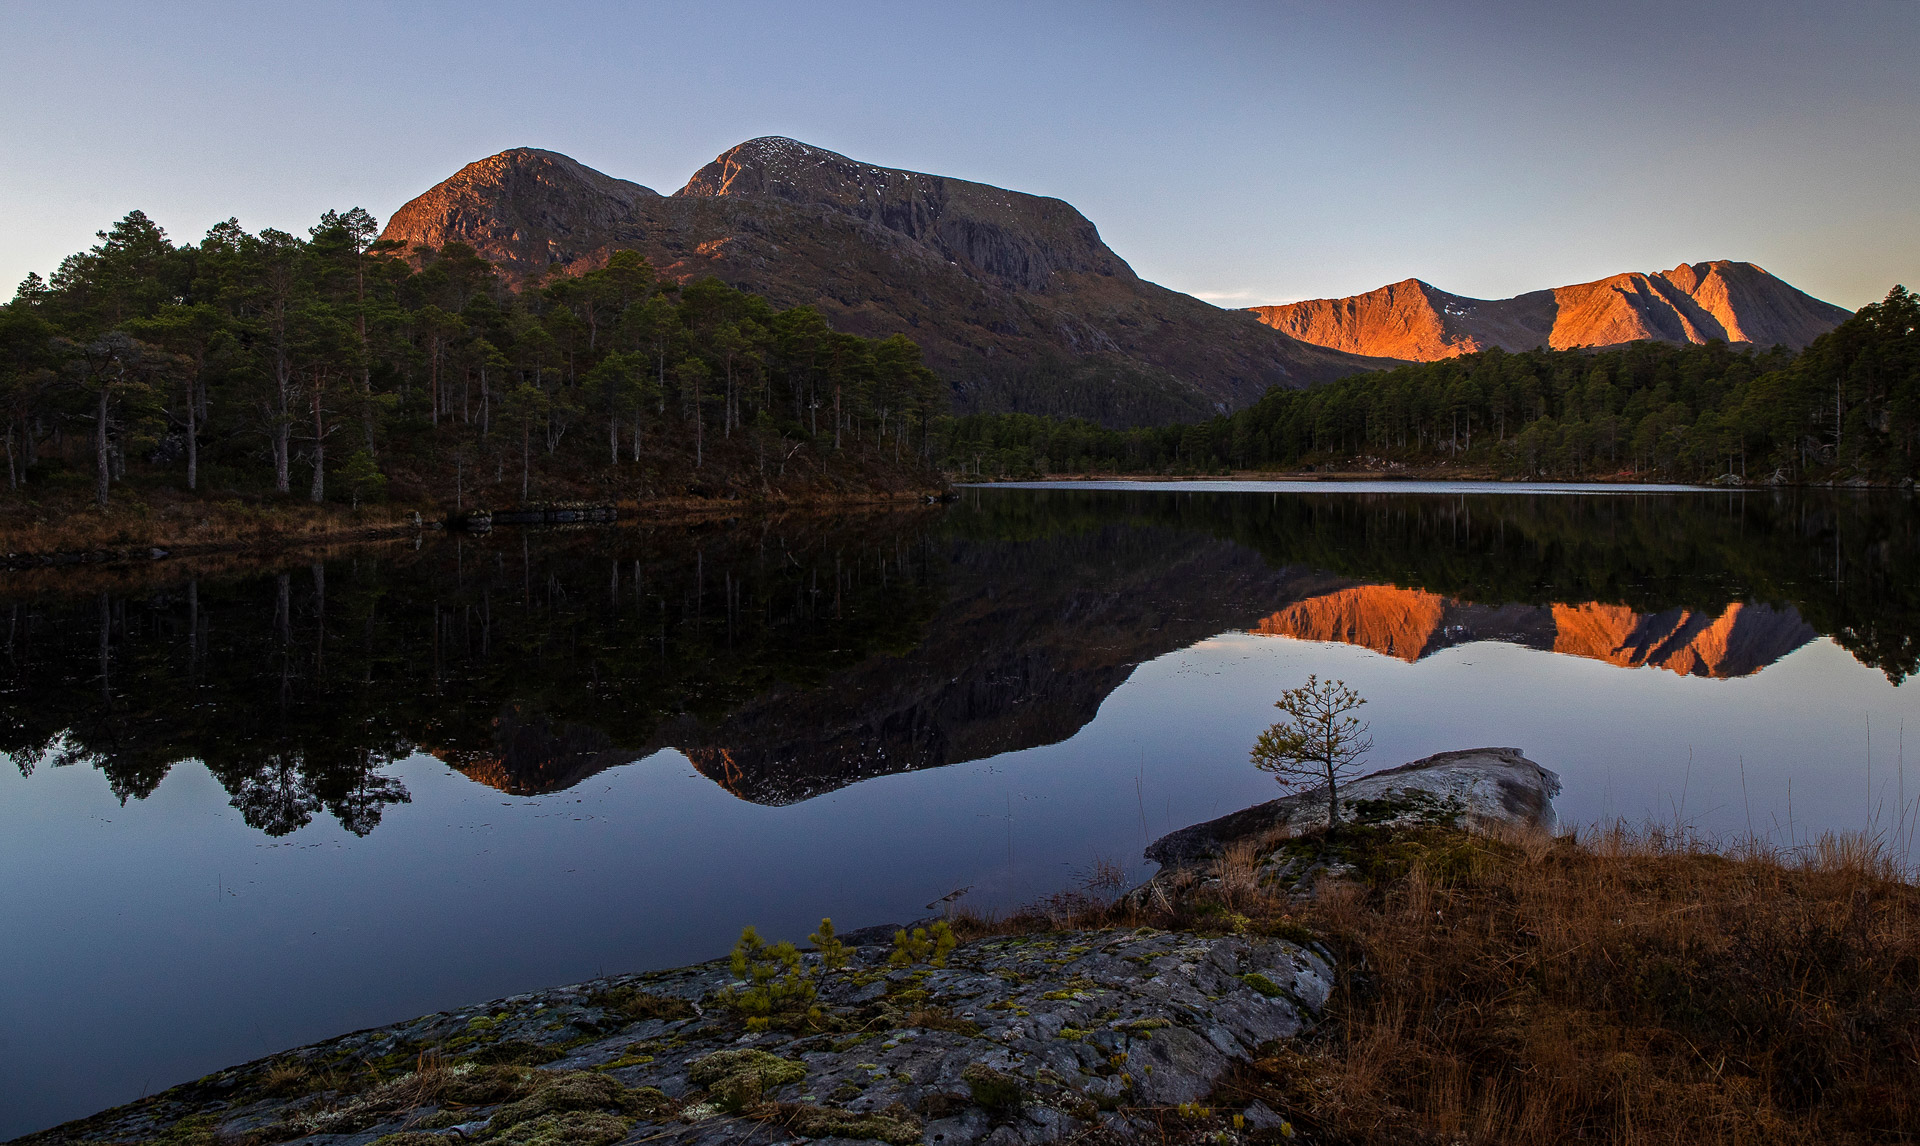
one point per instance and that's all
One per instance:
(1019, 304)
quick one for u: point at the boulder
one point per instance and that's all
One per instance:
(1479, 788)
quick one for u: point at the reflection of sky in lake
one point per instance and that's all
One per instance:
(150, 943)
(1342, 488)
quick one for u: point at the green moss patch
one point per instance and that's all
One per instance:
(1264, 985)
(739, 1078)
(581, 1091)
(570, 1128)
(516, 1052)
(992, 1089)
(896, 1124)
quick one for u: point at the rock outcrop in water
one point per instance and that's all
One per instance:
(1015, 298)
(1700, 302)
(1477, 788)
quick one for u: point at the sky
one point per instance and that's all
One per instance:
(1245, 152)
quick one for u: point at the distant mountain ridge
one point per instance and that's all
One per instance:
(1015, 298)
(1699, 302)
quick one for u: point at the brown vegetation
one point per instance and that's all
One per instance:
(64, 521)
(150, 513)
(1635, 987)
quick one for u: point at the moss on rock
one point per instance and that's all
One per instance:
(568, 1128)
(739, 1078)
(566, 1093)
(896, 1124)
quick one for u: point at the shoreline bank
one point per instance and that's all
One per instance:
(325, 529)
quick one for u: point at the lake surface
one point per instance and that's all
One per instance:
(250, 810)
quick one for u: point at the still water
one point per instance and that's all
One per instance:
(254, 808)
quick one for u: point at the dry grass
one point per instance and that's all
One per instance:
(1237, 875)
(60, 522)
(1640, 986)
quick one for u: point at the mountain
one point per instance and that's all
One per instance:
(1410, 624)
(1015, 298)
(1699, 302)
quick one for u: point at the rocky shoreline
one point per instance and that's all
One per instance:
(893, 1035)
(1018, 1039)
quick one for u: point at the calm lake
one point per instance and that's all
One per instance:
(246, 811)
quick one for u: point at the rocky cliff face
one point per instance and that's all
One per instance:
(1023, 241)
(1701, 302)
(1015, 298)
(1410, 624)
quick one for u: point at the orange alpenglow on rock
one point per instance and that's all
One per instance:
(1699, 302)
(1410, 624)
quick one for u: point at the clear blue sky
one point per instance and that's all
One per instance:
(1244, 152)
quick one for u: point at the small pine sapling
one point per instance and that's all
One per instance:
(929, 946)
(1319, 743)
(833, 953)
(775, 987)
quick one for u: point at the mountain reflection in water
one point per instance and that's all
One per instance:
(790, 659)
(1412, 623)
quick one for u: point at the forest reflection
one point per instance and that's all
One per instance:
(790, 658)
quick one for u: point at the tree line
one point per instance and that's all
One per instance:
(1848, 407)
(257, 361)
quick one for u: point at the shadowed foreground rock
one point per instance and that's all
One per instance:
(1022, 1039)
(1477, 788)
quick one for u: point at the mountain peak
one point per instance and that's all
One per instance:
(520, 165)
(518, 207)
(1694, 302)
(1022, 240)
(761, 165)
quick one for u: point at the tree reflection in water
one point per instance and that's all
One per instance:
(791, 658)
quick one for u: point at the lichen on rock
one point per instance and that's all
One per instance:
(1032, 1038)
